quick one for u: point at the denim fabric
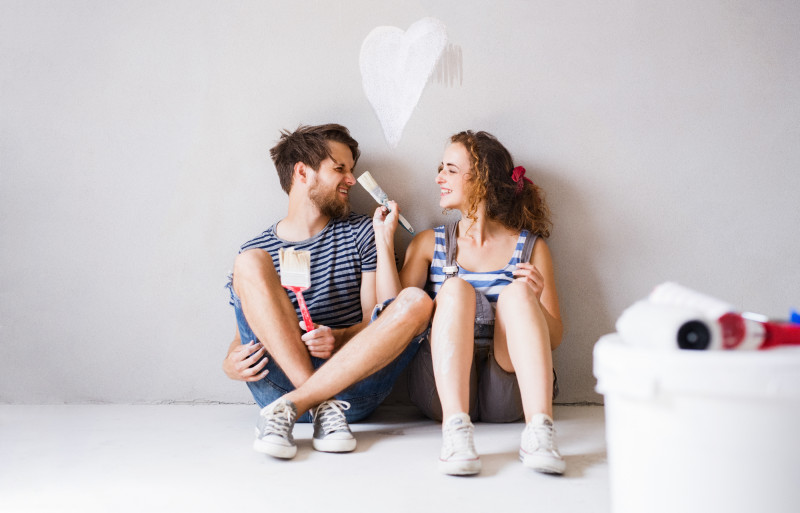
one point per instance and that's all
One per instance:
(484, 315)
(364, 396)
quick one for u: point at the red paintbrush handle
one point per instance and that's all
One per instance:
(303, 309)
(781, 334)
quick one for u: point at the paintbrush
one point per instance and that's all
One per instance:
(296, 276)
(381, 197)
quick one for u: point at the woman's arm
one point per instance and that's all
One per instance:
(542, 260)
(418, 260)
(384, 223)
(539, 275)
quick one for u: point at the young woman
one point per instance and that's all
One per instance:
(496, 318)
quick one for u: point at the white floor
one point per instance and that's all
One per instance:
(199, 458)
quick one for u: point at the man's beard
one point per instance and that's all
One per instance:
(329, 204)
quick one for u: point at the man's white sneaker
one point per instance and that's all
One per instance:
(274, 429)
(458, 457)
(331, 431)
(538, 449)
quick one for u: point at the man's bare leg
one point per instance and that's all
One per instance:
(369, 351)
(270, 313)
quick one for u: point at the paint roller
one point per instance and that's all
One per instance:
(662, 326)
(676, 316)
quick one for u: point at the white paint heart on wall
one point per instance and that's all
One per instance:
(395, 66)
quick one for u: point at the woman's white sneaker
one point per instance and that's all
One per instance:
(458, 457)
(538, 449)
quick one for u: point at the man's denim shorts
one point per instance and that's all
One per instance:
(364, 397)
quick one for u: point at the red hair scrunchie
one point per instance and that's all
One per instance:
(518, 176)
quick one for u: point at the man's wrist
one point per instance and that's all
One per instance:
(343, 335)
(337, 339)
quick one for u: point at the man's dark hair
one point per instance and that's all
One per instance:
(308, 144)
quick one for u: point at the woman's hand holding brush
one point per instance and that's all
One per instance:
(384, 222)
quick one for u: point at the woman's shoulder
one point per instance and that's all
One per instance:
(540, 249)
(423, 243)
(419, 256)
(426, 236)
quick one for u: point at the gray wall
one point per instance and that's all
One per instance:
(134, 140)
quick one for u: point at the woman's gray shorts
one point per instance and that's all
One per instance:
(494, 394)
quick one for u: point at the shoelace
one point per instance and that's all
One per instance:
(542, 435)
(458, 439)
(280, 423)
(331, 416)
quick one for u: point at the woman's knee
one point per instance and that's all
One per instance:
(517, 293)
(456, 290)
(454, 307)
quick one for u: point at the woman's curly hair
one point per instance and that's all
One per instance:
(518, 207)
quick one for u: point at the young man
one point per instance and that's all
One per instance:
(342, 370)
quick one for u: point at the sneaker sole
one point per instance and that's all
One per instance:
(284, 452)
(460, 467)
(347, 445)
(277, 451)
(543, 465)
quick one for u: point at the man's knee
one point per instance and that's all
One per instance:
(414, 306)
(416, 300)
(252, 260)
(251, 264)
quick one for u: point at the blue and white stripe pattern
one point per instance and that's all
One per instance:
(489, 283)
(340, 253)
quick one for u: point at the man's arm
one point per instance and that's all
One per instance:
(368, 295)
(414, 274)
(368, 302)
(324, 341)
(369, 298)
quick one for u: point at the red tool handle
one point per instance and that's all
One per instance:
(781, 334)
(303, 309)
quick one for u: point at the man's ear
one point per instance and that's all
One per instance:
(300, 172)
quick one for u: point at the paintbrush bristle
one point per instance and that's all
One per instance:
(295, 267)
(372, 187)
(367, 181)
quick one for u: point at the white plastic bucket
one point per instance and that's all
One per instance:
(700, 431)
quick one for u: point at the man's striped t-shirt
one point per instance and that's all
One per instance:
(340, 253)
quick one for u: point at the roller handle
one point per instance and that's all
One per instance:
(781, 334)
